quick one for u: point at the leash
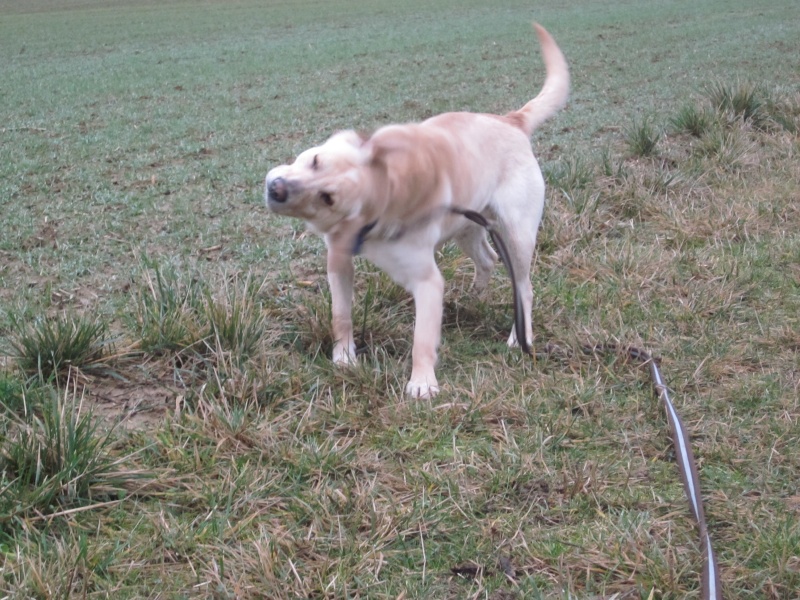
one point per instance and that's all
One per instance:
(687, 466)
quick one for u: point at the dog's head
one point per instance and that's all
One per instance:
(324, 185)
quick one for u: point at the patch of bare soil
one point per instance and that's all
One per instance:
(45, 236)
(134, 402)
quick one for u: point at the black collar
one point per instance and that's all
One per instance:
(361, 237)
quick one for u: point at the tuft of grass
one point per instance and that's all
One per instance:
(51, 347)
(742, 101)
(641, 138)
(613, 170)
(309, 330)
(236, 318)
(166, 312)
(54, 456)
(12, 393)
(55, 566)
(663, 179)
(726, 147)
(755, 106)
(692, 120)
(785, 112)
(569, 174)
(19, 398)
(572, 176)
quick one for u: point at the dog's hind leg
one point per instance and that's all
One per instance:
(472, 242)
(519, 220)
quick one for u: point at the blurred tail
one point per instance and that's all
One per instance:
(555, 91)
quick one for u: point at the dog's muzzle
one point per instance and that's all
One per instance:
(277, 190)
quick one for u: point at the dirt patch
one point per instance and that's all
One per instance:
(45, 236)
(133, 403)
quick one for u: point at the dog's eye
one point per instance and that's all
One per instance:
(315, 162)
(327, 198)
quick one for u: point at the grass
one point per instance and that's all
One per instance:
(642, 138)
(53, 348)
(745, 102)
(692, 120)
(167, 313)
(217, 453)
(55, 455)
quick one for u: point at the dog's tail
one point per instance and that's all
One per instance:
(555, 91)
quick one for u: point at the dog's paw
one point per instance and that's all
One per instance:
(344, 356)
(423, 390)
(513, 342)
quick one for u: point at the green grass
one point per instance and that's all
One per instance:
(642, 138)
(167, 313)
(744, 102)
(53, 349)
(217, 453)
(55, 457)
(692, 120)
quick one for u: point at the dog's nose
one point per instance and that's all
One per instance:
(277, 190)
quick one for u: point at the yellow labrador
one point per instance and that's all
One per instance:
(389, 197)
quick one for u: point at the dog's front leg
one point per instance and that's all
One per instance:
(340, 280)
(428, 300)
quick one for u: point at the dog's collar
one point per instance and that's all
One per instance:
(361, 237)
(386, 233)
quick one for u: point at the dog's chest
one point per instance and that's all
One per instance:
(406, 255)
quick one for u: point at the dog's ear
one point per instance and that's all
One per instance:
(357, 141)
(354, 138)
(348, 135)
(386, 152)
(405, 170)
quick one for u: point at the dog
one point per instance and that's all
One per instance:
(392, 196)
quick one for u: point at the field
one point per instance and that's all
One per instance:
(171, 425)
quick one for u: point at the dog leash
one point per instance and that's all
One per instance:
(687, 466)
